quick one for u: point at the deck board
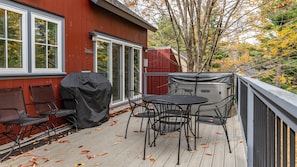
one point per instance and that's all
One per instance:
(107, 147)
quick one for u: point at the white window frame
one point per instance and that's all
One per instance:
(24, 41)
(59, 69)
(112, 40)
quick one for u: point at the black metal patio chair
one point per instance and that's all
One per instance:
(139, 109)
(171, 118)
(13, 113)
(221, 110)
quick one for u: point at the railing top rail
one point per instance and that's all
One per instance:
(284, 99)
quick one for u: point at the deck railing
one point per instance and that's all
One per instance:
(269, 120)
(268, 116)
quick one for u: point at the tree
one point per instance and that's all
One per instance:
(278, 61)
(199, 25)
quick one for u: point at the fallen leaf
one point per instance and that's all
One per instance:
(91, 156)
(240, 141)
(116, 143)
(79, 164)
(84, 151)
(98, 129)
(113, 122)
(45, 159)
(63, 141)
(219, 133)
(34, 158)
(204, 146)
(80, 146)
(103, 153)
(208, 154)
(153, 160)
(34, 164)
(59, 161)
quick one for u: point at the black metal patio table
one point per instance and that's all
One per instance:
(176, 99)
(183, 100)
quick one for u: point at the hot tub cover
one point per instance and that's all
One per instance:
(201, 77)
(93, 94)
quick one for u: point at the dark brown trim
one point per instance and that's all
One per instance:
(119, 9)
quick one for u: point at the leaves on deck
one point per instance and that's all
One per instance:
(79, 164)
(63, 141)
(58, 161)
(91, 156)
(204, 145)
(208, 154)
(113, 122)
(84, 151)
(153, 160)
(103, 153)
(45, 159)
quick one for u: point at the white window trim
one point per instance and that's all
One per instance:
(123, 43)
(59, 40)
(24, 41)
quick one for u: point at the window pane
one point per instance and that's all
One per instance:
(2, 23)
(136, 70)
(14, 54)
(102, 57)
(14, 25)
(52, 57)
(40, 56)
(52, 33)
(116, 71)
(2, 54)
(40, 31)
(128, 70)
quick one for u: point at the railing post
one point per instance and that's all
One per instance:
(250, 126)
(238, 97)
(144, 83)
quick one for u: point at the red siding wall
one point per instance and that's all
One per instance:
(160, 60)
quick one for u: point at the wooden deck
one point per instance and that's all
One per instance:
(105, 146)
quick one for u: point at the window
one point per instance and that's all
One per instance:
(116, 71)
(46, 44)
(45, 53)
(120, 62)
(102, 58)
(13, 55)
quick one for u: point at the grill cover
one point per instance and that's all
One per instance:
(93, 94)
